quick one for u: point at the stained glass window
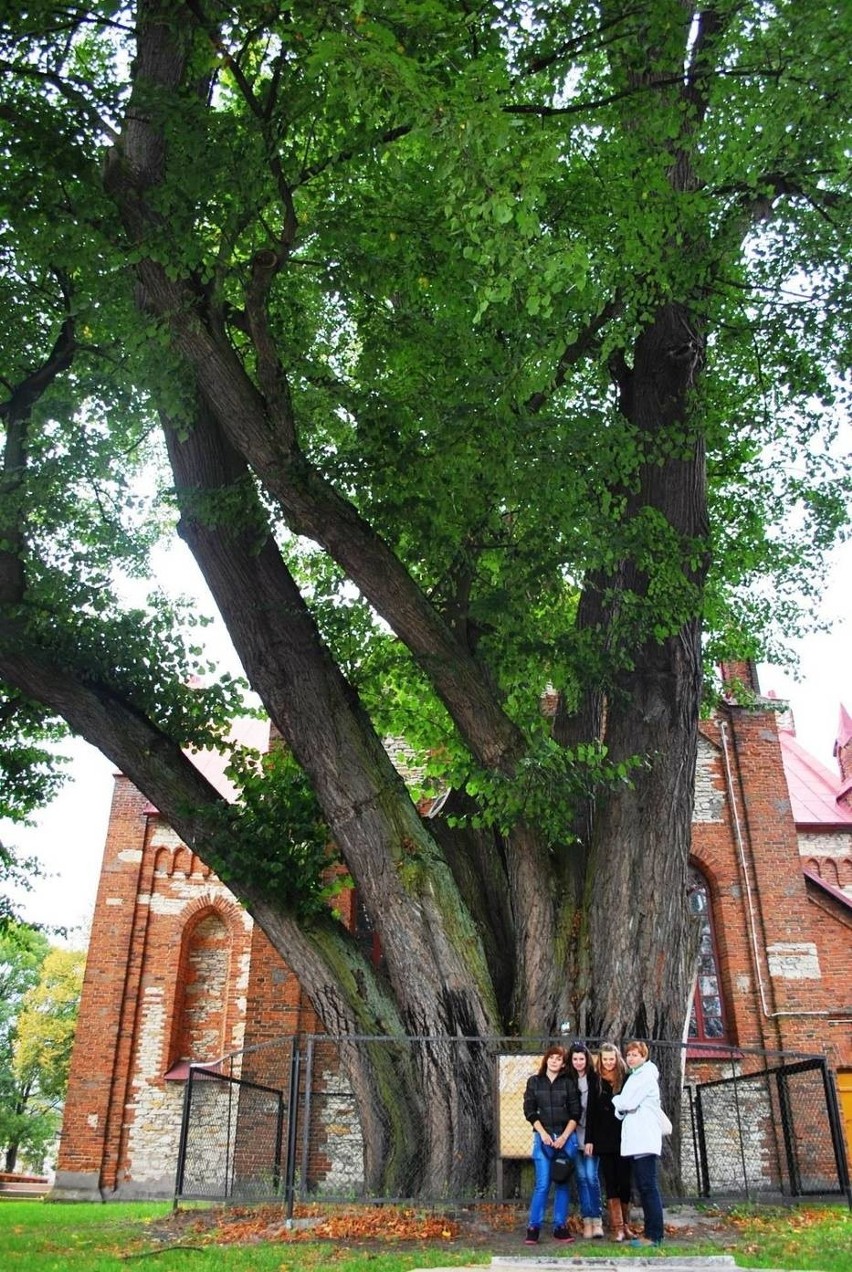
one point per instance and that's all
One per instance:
(707, 1018)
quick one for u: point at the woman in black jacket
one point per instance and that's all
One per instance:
(612, 1073)
(552, 1107)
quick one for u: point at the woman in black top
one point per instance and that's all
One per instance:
(552, 1108)
(606, 1137)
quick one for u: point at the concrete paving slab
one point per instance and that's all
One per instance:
(542, 1263)
(603, 1262)
(562, 1263)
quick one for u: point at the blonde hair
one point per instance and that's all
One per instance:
(616, 1080)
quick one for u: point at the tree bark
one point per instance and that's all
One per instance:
(638, 919)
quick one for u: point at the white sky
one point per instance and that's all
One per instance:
(68, 836)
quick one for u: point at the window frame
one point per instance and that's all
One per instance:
(698, 884)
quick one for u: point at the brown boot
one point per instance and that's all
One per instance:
(625, 1219)
(616, 1223)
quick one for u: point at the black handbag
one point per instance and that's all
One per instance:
(560, 1167)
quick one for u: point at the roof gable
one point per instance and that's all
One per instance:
(814, 789)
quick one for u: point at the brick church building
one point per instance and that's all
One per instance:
(177, 971)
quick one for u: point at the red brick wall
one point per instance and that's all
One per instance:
(163, 925)
(100, 1062)
(782, 957)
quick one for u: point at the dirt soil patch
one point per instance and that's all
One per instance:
(496, 1228)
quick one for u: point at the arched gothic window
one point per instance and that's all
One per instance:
(707, 1018)
(202, 992)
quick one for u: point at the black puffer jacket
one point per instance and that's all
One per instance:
(602, 1126)
(554, 1104)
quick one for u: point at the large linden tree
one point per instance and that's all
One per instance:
(489, 359)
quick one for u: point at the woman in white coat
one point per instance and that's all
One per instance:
(637, 1104)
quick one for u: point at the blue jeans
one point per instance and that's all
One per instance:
(588, 1186)
(538, 1204)
(645, 1177)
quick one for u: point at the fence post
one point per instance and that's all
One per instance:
(787, 1129)
(306, 1132)
(740, 1128)
(184, 1135)
(704, 1164)
(229, 1163)
(293, 1111)
(688, 1091)
(279, 1131)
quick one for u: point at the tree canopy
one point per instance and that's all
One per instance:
(489, 359)
(43, 1022)
(28, 1122)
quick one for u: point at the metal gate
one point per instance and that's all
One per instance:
(236, 1138)
(774, 1131)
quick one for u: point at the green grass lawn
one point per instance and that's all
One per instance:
(807, 1237)
(54, 1237)
(40, 1236)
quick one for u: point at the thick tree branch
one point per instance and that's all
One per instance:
(313, 508)
(310, 504)
(373, 822)
(270, 373)
(23, 396)
(16, 411)
(353, 1001)
(579, 349)
(96, 712)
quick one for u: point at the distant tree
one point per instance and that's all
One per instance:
(23, 950)
(44, 1037)
(476, 350)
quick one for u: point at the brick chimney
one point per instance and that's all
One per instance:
(739, 674)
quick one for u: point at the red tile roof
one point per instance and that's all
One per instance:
(247, 731)
(814, 789)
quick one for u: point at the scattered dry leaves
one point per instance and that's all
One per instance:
(385, 1224)
(246, 1225)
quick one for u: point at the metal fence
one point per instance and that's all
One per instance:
(773, 1131)
(237, 1137)
(285, 1122)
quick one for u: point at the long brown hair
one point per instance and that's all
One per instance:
(616, 1081)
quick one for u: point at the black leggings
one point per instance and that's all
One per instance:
(616, 1174)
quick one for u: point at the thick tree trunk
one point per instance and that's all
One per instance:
(638, 920)
(640, 950)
